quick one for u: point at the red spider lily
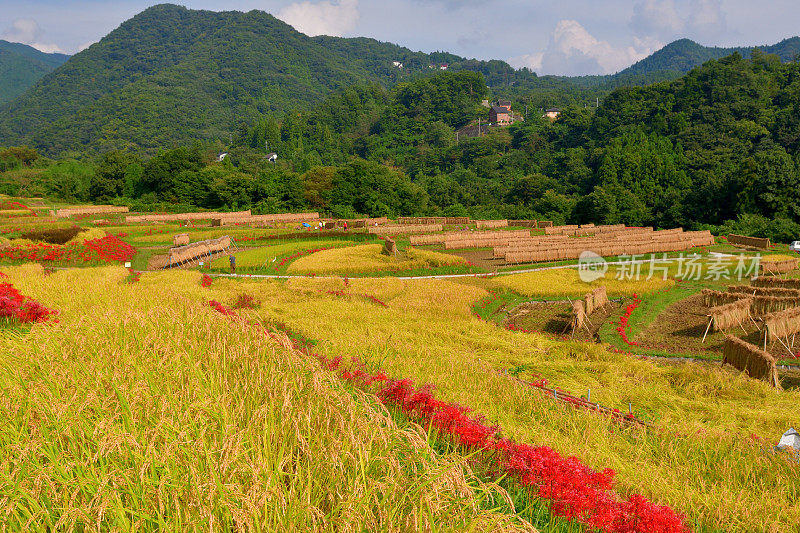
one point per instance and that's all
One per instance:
(15, 306)
(624, 319)
(221, 308)
(206, 281)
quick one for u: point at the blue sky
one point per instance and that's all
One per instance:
(567, 37)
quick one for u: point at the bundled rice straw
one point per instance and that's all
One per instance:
(777, 267)
(764, 291)
(783, 323)
(769, 304)
(588, 303)
(772, 281)
(578, 315)
(712, 298)
(743, 240)
(751, 359)
(600, 297)
(729, 315)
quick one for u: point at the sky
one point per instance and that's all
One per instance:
(570, 37)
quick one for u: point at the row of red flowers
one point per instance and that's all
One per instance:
(623, 320)
(300, 253)
(106, 249)
(15, 306)
(342, 293)
(573, 490)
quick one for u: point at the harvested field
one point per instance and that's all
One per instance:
(554, 318)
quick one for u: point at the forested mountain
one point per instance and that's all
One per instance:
(21, 66)
(683, 55)
(171, 75)
(719, 146)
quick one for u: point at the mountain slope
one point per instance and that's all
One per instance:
(683, 55)
(171, 75)
(21, 66)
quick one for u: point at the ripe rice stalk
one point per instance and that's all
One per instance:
(730, 315)
(751, 359)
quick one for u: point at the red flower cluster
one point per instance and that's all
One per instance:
(623, 320)
(374, 300)
(341, 293)
(134, 276)
(14, 305)
(108, 249)
(9, 205)
(246, 301)
(221, 308)
(206, 281)
(301, 253)
(105, 250)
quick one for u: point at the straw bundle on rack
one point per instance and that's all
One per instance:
(600, 297)
(89, 210)
(772, 281)
(753, 242)
(730, 315)
(783, 323)
(712, 298)
(541, 224)
(588, 304)
(179, 217)
(777, 267)
(578, 315)
(763, 305)
(180, 239)
(491, 224)
(404, 230)
(765, 291)
(751, 359)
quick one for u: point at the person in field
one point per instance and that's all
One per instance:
(232, 260)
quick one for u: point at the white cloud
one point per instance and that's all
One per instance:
(322, 18)
(707, 18)
(27, 31)
(666, 20)
(656, 18)
(572, 50)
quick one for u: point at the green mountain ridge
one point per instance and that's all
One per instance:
(21, 66)
(171, 76)
(684, 54)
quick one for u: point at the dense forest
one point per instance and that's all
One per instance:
(21, 66)
(719, 146)
(171, 76)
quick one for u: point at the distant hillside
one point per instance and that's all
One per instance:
(21, 66)
(171, 75)
(683, 55)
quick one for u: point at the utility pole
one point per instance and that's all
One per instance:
(597, 102)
